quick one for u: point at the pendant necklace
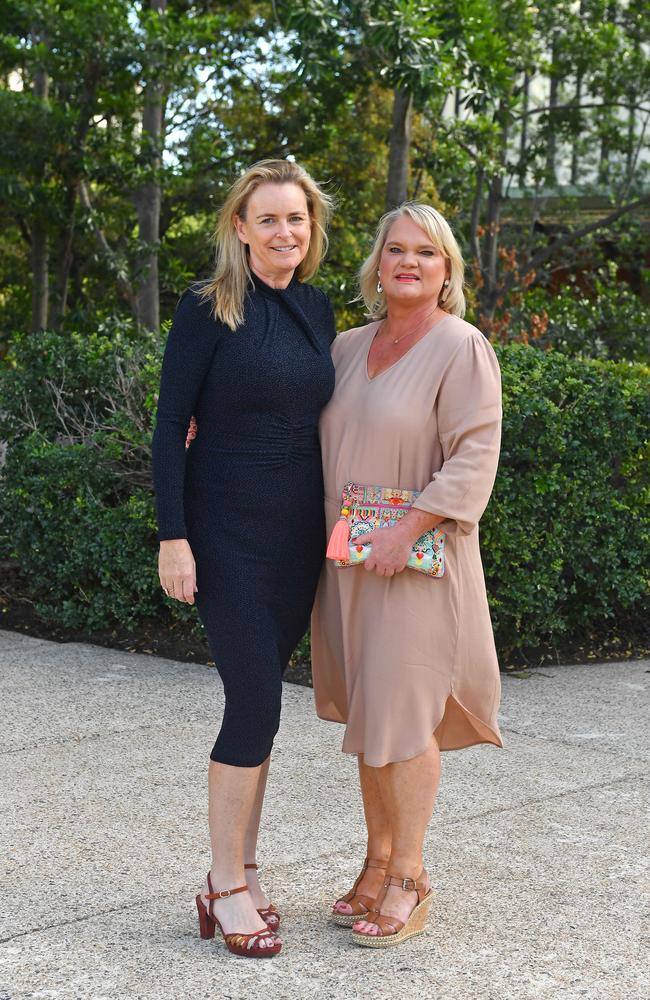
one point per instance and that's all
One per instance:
(396, 340)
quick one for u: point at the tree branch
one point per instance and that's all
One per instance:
(573, 236)
(577, 107)
(123, 284)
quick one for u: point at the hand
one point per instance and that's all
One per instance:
(192, 431)
(390, 551)
(177, 570)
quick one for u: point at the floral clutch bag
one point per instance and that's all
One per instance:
(364, 508)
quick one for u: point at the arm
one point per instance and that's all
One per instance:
(469, 426)
(188, 355)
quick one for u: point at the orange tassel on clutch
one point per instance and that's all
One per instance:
(338, 547)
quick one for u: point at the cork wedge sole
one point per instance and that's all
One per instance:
(347, 919)
(416, 924)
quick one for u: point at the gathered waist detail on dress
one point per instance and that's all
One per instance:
(281, 439)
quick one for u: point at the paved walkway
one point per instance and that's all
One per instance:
(539, 853)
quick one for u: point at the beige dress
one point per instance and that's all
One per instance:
(399, 658)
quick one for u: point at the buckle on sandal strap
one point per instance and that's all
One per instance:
(222, 894)
(412, 886)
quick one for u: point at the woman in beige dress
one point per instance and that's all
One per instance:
(406, 661)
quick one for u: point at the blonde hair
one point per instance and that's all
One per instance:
(452, 299)
(227, 287)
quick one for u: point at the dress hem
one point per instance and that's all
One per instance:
(485, 734)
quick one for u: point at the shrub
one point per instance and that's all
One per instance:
(77, 510)
(565, 539)
(603, 320)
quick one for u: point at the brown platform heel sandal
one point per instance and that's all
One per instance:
(361, 904)
(392, 930)
(245, 945)
(269, 914)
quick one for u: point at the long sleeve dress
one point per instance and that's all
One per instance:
(248, 492)
(400, 658)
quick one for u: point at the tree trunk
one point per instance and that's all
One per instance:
(576, 138)
(474, 238)
(490, 291)
(65, 255)
(400, 141)
(39, 244)
(604, 174)
(603, 161)
(148, 195)
(40, 277)
(73, 178)
(523, 139)
(551, 144)
(577, 99)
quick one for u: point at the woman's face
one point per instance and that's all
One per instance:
(277, 230)
(411, 268)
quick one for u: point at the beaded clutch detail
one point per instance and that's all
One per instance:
(365, 508)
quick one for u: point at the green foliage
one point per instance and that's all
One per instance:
(86, 550)
(600, 317)
(565, 539)
(77, 511)
(313, 80)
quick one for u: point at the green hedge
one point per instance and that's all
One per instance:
(606, 320)
(565, 539)
(77, 512)
(566, 536)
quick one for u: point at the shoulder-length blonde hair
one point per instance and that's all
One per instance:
(226, 289)
(452, 299)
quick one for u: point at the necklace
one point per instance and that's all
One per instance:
(396, 340)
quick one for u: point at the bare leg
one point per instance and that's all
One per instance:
(379, 834)
(250, 840)
(231, 798)
(408, 789)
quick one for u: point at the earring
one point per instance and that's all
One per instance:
(380, 287)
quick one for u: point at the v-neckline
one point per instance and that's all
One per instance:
(405, 355)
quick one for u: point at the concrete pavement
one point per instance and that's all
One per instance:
(540, 853)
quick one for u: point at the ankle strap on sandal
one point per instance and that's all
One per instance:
(251, 866)
(373, 863)
(418, 885)
(223, 893)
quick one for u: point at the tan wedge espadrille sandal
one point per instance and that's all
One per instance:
(392, 930)
(361, 904)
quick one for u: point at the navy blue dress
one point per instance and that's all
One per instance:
(248, 492)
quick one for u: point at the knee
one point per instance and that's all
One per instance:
(250, 723)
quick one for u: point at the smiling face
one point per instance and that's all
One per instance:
(411, 268)
(277, 230)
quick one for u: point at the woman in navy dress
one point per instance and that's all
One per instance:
(240, 511)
